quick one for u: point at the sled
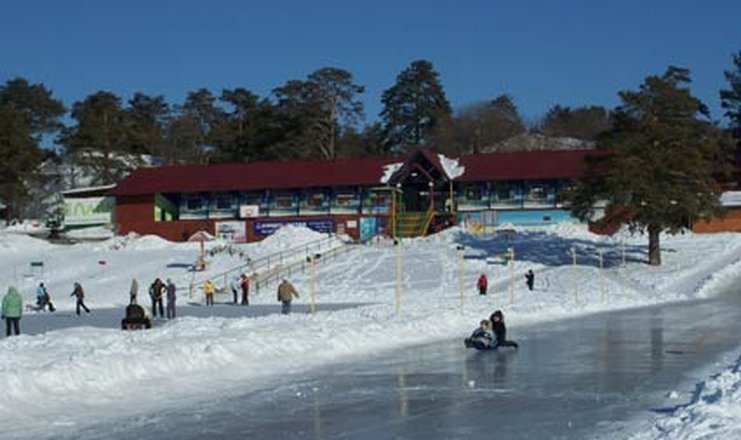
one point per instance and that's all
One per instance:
(478, 346)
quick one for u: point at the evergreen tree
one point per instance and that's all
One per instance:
(146, 118)
(586, 123)
(413, 107)
(662, 153)
(209, 120)
(100, 139)
(250, 127)
(27, 112)
(319, 109)
(731, 101)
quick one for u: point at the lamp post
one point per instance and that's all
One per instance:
(573, 273)
(461, 250)
(511, 275)
(397, 244)
(312, 261)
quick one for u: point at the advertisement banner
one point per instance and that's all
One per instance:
(88, 211)
(368, 228)
(264, 228)
(231, 231)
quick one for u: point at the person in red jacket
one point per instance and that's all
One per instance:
(482, 284)
(245, 284)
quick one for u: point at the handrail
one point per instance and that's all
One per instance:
(276, 258)
(428, 222)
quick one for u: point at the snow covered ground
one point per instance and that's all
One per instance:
(70, 377)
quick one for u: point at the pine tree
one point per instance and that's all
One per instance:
(100, 139)
(413, 107)
(662, 153)
(146, 118)
(586, 123)
(731, 101)
(27, 112)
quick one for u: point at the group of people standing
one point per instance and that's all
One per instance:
(158, 291)
(482, 284)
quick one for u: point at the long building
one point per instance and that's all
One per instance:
(398, 196)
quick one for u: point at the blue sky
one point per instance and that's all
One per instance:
(542, 53)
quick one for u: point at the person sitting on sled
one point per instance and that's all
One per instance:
(482, 338)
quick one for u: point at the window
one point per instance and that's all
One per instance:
(315, 200)
(474, 193)
(194, 203)
(283, 201)
(224, 201)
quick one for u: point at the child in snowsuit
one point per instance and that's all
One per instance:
(500, 331)
(481, 338)
(482, 284)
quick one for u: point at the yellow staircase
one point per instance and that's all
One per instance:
(413, 224)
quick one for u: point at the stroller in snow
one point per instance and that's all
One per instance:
(136, 318)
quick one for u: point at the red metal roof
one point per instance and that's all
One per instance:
(524, 165)
(341, 172)
(254, 175)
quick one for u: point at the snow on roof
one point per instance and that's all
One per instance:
(389, 170)
(452, 167)
(730, 198)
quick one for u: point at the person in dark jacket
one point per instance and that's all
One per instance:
(530, 279)
(79, 294)
(500, 331)
(156, 292)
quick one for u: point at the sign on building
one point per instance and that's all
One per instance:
(232, 231)
(88, 211)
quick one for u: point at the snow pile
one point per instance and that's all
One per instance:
(91, 233)
(713, 412)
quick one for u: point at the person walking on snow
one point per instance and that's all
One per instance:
(500, 330)
(209, 289)
(286, 293)
(530, 279)
(482, 284)
(171, 297)
(12, 310)
(245, 285)
(79, 294)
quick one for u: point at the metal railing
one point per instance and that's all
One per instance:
(280, 261)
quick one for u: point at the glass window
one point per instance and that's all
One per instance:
(224, 201)
(194, 203)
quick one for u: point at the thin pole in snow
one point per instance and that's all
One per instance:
(601, 286)
(460, 250)
(397, 243)
(511, 275)
(573, 274)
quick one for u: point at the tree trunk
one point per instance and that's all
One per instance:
(654, 249)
